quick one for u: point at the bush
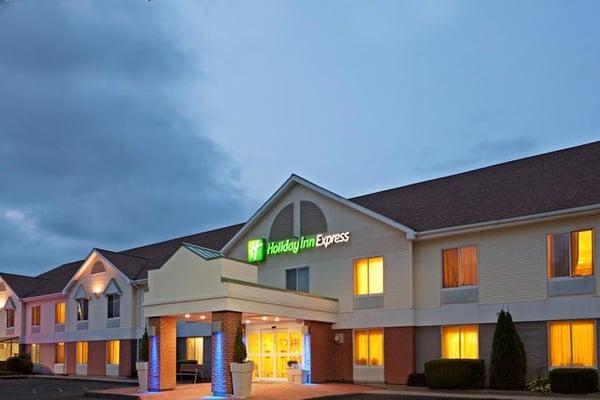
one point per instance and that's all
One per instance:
(239, 349)
(508, 364)
(574, 380)
(416, 379)
(539, 385)
(20, 363)
(455, 374)
(144, 346)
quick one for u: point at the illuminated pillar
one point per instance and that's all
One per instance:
(225, 326)
(163, 354)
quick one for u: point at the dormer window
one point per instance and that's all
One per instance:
(114, 305)
(82, 309)
(10, 318)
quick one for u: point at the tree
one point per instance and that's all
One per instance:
(239, 349)
(144, 346)
(509, 362)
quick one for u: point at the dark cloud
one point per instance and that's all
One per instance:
(93, 150)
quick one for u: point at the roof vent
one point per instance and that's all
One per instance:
(97, 268)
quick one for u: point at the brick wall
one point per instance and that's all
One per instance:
(70, 357)
(97, 358)
(127, 349)
(223, 342)
(166, 336)
(399, 353)
(341, 357)
(321, 342)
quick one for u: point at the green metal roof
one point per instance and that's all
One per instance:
(206, 253)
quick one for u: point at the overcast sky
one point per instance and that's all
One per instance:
(124, 123)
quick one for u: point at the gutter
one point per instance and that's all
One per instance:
(43, 297)
(508, 222)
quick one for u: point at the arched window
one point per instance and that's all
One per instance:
(283, 224)
(312, 219)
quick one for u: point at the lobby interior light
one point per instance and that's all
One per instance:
(247, 321)
(264, 318)
(203, 317)
(187, 316)
(276, 319)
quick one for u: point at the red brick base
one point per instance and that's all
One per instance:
(399, 353)
(163, 376)
(222, 345)
(97, 358)
(342, 356)
(321, 340)
(70, 357)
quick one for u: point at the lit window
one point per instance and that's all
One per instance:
(59, 313)
(297, 279)
(460, 341)
(572, 344)
(35, 353)
(114, 305)
(82, 309)
(368, 347)
(10, 318)
(459, 266)
(194, 348)
(112, 352)
(570, 254)
(82, 352)
(368, 276)
(36, 315)
(59, 353)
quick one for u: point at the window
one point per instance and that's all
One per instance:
(297, 279)
(81, 351)
(460, 341)
(368, 347)
(35, 353)
(10, 318)
(82, 309)
(368, 276)
(59, 353)
(114, 305)
(112, 352)
(570, 254)
(97, 268)
(572, 344)
(36, 315)
(194, 349)
(59, 313)
(459, 266)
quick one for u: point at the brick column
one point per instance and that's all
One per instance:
(342, 357)
(399, 353)
(70, 357)
(97, 358)
(222, 343)
(163, 357)
(321, 340)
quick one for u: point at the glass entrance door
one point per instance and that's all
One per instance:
(271, 349)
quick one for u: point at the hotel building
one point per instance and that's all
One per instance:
(363, 289)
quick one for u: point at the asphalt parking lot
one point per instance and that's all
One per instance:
(373, 396)
(42, 389)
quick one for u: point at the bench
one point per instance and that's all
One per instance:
(191, 370)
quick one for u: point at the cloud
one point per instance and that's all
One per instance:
(94, 150)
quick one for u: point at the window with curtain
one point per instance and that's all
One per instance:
(194, 349)
(59, 313)
(35, 353)
(459, 266)
(81, 352)
(10, 318)
(82, 309)
(572, 343)
(570, 254)
(460, 341)
(297, 279)
(368, 276)
(112, 352)
(59, 353)
(36, 315)
(368, 347)
(114, 305)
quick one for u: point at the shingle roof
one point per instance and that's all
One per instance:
(22, 284)
(553, 181)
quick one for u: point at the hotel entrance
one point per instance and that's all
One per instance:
(271, 347)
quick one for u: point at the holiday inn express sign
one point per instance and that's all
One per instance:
(260, 248)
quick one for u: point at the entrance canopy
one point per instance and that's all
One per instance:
(198, 280)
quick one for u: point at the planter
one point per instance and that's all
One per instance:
(241, 375)
(142, 371)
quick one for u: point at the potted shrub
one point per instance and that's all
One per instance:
(241, 370)
(142, 364)
(294, 373)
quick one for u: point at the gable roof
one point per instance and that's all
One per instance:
(21, 284)
(558, 180)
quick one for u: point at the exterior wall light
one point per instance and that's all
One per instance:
(187, 315)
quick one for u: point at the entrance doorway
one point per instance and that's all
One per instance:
(271, 348)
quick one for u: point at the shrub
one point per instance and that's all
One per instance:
(539, 385)
(508, 364)
(416, 379)
(574, 380)
(455, 374)
(239, 349)
(144, 346)
(20, 363)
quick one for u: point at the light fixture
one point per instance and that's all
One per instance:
(187, 315)
(264, 317)
(276, 319)
(203, 317)
(247, 321)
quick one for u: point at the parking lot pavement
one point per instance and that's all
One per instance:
(376, 396)
(42, 389)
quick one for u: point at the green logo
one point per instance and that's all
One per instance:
(257, 250)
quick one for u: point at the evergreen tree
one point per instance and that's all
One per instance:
(239, 348)
(144, 346)
(509, 362)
